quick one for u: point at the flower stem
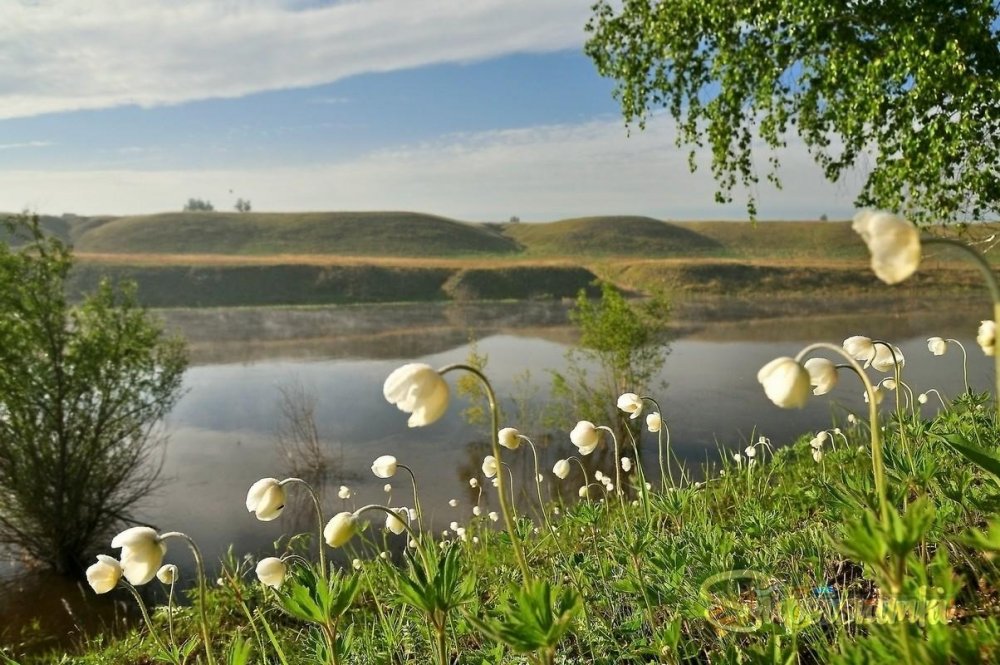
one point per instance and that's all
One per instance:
(618, 463)
(994, 287)
(202, 589)
(389, 511)
(659, 443)
(319, 520)
(149, 622)
(495, 441)
(416, 499)
(965, 364)
(538, 485)
(878, 465)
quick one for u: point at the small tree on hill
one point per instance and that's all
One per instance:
(242, 205)
(82, 388)
(198, 205)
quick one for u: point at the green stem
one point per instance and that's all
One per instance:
(659, 443)
(149, 623)
(416, 499)
(994, 288)
(618, 465)
(319, 520)
(409, 530)
(878, 465)
(965, 364)
(538, 484)
(495, 441)
(202, 589)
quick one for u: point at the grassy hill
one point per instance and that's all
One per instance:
(612, 236)
(341, 233)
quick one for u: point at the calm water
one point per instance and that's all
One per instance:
(223, 431)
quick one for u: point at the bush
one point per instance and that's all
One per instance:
(81, 390)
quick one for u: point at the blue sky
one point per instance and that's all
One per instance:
(475, 109)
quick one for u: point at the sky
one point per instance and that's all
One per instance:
(473, 109)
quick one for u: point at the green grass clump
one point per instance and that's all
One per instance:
(779, 560)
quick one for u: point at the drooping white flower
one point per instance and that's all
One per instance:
(937, 345)
(626, 464)
(167, 574)
(494, 516)
(344, 492)
(630, 404)
(489, 466)
(654, 422)
(894, 244)
(885, 360)
(473, 483)
(822, 375)
(561, 469)
(453, 526)
(384, 466)
(922, 398)
(816, 443)
(737, 458)
(860, 347)
(888, 384)
(387, 488)
(750, 451)
(509, 437)
(356, 564)
(142, 553)
(477, 511)
(496, 482)
(585, 437)
(599, 476)
(266, 499)
(417, 389)
(395, 523)
(340, 529)
(853, 419)
(817, 454)
(103, 576)
(786, 382)
(453, 503)
(271, 571)
(986, 337)
(583, 491)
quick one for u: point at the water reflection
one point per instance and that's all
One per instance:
(224, 431)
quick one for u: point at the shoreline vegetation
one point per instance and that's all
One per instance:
(223, 259)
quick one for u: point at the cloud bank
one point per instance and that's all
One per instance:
(66, 55)
(538, 173)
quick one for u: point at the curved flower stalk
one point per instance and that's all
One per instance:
(787, 385)
(656, 423)
(893, 241)
(510, 438)
(421, 390)
(386, 466)
(266, 499)
(939, 346)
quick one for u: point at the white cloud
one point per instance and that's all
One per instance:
(62, 55)
(25, 144)
(539, 173)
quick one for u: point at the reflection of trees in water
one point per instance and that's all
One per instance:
(303, 456)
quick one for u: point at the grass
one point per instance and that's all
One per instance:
(653, 574)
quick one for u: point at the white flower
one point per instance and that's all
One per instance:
(453, 526)
(585, 437)
(167, 574)
(922, 398)
(142, 553)
(509, 438)
(816, 443)
(654, 422)
(266, 499)
(610, 486)
(395, 522)
(885, 360)
(356, 564)
(412, 512)
(417, 389)
(340, 529)
(583, 491)
(477, 511)
(496, 482)
(561, 469)
(387, 488)
(888, 384)
(937, 345)
(344, 492)
(453, 503)
(599, 476)
(631, 404)
(879, 395)
(271, 571)
(473, 483)
(383, 555)
(460, 532)
(626, 464)
(987, 337)
(818, 454)
(737, 458)
(822, 375)
(894, 244)
(750, 451)
(494, 516)
(103, 576)
(853, 419)
(489, 466)
(786, 382)
(860, 347)
(384, 466)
